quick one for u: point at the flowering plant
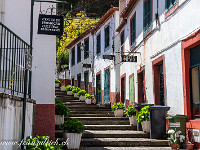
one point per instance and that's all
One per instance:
(176, 137)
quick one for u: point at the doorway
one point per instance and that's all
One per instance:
(107, 86)
(98, 88)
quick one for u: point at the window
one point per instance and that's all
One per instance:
(122, 43)
(73, 56)
(195, 81)
(99, 43)
(107, 36)
(79, 53)
(132, 27)
(147, 16)
(170, 4)
(86, 48)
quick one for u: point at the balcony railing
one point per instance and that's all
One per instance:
(12, 62)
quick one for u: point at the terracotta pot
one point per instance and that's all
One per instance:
(146, 126)
(88, 101)
(174, 146)
(73, 140)
(119, 113)
(133, 120)
(189, 146)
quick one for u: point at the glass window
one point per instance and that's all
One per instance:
(132, 31)
(122, 43)
(147, 16)
(79, 53)
(107, 36)
(170, 4)
(86, 48)
(99, 43)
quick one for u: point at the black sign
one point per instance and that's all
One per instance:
(50, 24)
(87, 65)
(126, 58)
(111, 57)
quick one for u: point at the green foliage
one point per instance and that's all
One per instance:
(144, 114)
(130, 111)
(89, 96)
(57, 81)
(69, 88)
(75, 90)
(118, 105)
(61, 109)
(72, 125)
(40, 143)
(81, 93)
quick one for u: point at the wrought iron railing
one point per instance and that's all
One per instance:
(13, 51)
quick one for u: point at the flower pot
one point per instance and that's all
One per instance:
(63, 88)
(189, 146)
(146, 126)
(133, 120)
(73, 140)
(57, 85)
(59, 119)
(88, 101)
(82, 98)
(75, 95)
(69, 93)
(174, 146)
(119, 113)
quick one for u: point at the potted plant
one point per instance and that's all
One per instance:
(175, 138)
(190, 139)
(118, 109)
(81, 95)
(88, 98)
(69, 89)
(73, 130)
(143, 118)
(75, 91)
(57, 83)
(63, 88)
(61, 111)
(131, 113)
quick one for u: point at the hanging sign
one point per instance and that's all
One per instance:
(50, 24)
(126, 58)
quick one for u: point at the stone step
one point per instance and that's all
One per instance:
(87, 106)
(108, 134)
(102, 118)
(88, 109)
(122, 142)
(125, 148)
(92, 115)
(110, 127)
(79, 103)
(105, 122)
(91, 112)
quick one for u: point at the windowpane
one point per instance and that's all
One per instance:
(79, 53)
(133, 32)
(147, 16)
(86, 48)
(107, 36)
(170, 4)
(122, 43)
(99, 44)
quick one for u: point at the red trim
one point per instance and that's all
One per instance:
(169, 12)
(145, 35)
(188, 43)
(110, 80)
(123, 76)
(98, 72)
(141, 70)
(134, 15)
(156, 84)
(132, 75)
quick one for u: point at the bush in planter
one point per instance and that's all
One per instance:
(69, 89)
(88, 98)
(75, 90)
(61, 109)
(118, 109)
(81, 93)
(40, 143)
(131, 113)
(73, 130)
(143, 118)
(57, 81)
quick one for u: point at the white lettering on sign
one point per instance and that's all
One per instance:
(175, 124)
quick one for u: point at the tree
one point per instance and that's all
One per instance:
(73, 28)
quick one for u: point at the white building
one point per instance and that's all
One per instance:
(15, 16)
(165, 37)
(100, 78)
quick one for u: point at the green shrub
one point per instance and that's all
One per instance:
(75, 90)
(72, 125)
(57, 81)
(69, 88)
(144, 114)
(89, 96)
(118, 105)
(130, 111)
(61, 109)
(81, 93)
(40, 143)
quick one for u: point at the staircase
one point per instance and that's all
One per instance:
(104, 130)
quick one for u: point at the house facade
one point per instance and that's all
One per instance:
(164, 35)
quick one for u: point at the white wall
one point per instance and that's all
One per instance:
(165, 40)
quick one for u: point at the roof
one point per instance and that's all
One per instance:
(125, 12)
(92, 30)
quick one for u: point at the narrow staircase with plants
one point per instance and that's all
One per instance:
(103, 130)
